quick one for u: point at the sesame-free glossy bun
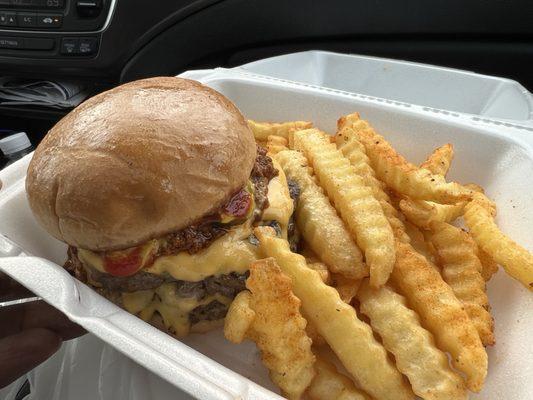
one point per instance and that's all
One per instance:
(139, 161)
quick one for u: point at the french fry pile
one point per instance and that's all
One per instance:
(383, 270)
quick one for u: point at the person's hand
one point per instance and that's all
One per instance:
(29, 334)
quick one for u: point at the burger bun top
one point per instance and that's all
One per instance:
(137, 162)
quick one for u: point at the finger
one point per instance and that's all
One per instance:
(42, 315)
(15, 319)
(11, 320)
(12, 290)
(24, 351)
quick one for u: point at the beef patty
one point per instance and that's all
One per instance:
(228, 285)
(209, 312)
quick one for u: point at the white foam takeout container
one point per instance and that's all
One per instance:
(497, 155)
(427, 85)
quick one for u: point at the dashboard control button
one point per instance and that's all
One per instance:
(8, 18)
(11, 42)
(88, 45)
(89, 8)
(70, 46)
(49, 20)
(38, 43)
(27, 19)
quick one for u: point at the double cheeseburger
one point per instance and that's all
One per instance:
(156, 186)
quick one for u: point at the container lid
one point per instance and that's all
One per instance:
(12, 144)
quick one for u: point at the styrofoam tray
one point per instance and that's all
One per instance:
(414, 83)
(498, 157)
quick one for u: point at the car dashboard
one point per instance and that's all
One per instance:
(106, 42)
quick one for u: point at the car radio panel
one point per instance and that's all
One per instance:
(52, 28)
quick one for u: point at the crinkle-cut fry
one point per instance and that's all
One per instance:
(482, 200)
(422, 213)
(330, 384)
(262, 130)
(439, 161)
(441, 313)
(488, 266)
(318, 222)
(314, 262)
(430, 246)
(346, 287)
(347, 120)
(354, 201)
(476, 188)
(413, 347)
(275, 144)
(239, 318)
(394, 197)
(312, 332)
(322, 270)
(515, 260)
(278, 328)
(337, 322)
(461, 269)
(402, 176)
(419, 243)
(355, 152)
(306, 251)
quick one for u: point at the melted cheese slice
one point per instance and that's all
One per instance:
(135, 302)
(93, 259)
(230, 253)
(173, 309)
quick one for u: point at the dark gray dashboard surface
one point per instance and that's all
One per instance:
(166, 36)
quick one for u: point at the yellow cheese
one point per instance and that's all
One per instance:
(176, 321)
(168, 296)
(280, 205)
(230, 253)
(173, 309)
(137, 301)
(92, 259)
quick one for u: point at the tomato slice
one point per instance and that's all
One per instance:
(239, 205)
(123, 263)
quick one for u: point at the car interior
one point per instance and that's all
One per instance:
(97, 44)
